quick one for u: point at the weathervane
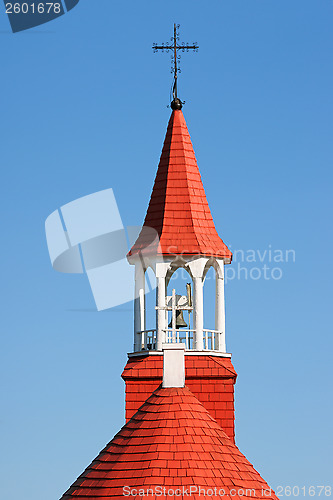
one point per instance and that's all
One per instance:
(175, 58)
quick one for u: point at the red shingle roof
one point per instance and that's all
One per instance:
(210, 378)
(178, 208)
(173, 442)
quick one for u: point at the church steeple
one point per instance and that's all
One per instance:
(179, 380)
(179, 232)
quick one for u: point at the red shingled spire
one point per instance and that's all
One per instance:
(172, 442)
(178, 208)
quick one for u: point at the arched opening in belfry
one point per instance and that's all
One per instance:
(178, 279)
(213, 306)
(209, 298)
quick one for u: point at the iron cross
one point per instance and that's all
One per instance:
(174, 47)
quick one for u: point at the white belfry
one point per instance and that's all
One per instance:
(197, 339)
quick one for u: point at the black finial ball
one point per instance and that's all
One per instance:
(176, 104)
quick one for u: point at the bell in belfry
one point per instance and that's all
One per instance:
(180, 322)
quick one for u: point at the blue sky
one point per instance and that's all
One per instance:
(84, 108)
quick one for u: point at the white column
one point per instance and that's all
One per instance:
(220, 305)
(198, 312)
(166, 321)
(197, 268)
(161, 269)
(220, 312)
(139, 306)
(160, 314)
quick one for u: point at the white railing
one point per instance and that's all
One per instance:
(211, 339)
(148, 340)
(177, 336)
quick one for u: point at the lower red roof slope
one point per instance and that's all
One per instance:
(172, 442)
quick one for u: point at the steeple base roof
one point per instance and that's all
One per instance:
(171, 442)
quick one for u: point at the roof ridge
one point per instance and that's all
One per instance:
(216, 360)
(188, 180)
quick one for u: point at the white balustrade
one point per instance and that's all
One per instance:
(211, 339)
(181, 336)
